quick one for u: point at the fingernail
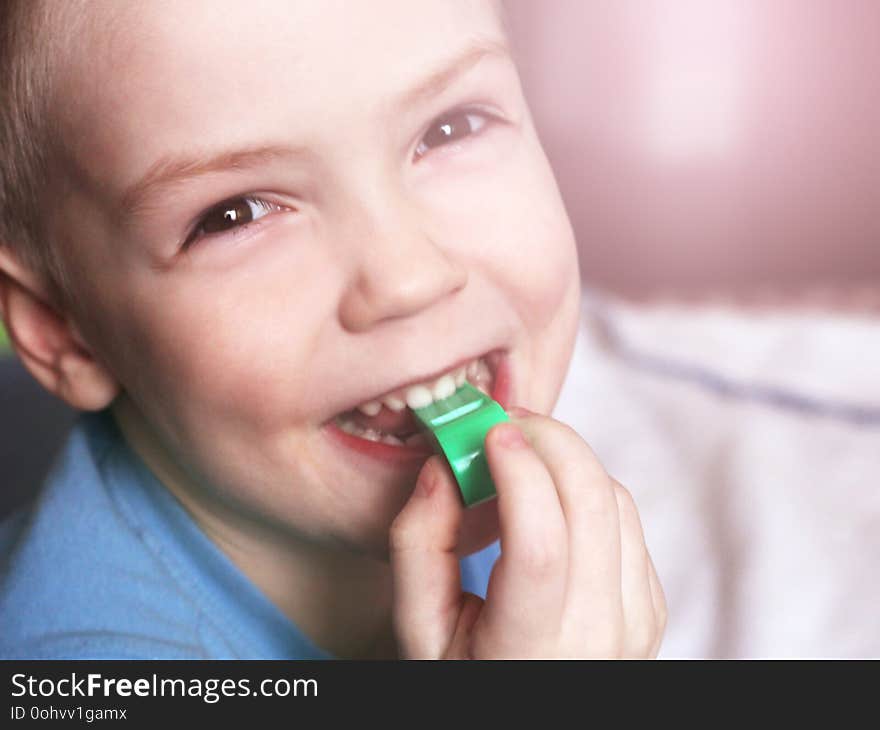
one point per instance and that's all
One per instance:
(510, 437)
(427, 480)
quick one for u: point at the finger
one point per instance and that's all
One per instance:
(638, 605)
(461, 645)
(658, 599)
(426, 577)
(526, 589)
(593, 600)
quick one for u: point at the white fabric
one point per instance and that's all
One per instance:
(763, 519)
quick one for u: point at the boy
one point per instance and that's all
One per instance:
(243, 239)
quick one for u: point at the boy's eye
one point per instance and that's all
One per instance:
(450, 128)
(231, 214)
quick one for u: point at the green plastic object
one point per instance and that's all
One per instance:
(457, 427)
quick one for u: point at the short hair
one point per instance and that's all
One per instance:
(26, 137)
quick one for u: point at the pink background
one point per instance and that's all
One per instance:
(711, 144)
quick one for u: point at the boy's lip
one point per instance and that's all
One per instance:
(392, 454)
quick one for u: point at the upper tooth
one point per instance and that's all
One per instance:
(418, 396)
(394, 403)
(444, 387)
(370, 409)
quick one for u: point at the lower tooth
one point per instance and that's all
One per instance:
(370, 434)
(417, 439)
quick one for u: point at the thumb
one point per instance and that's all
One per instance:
(425, 569)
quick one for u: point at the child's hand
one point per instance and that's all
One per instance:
(574, 578)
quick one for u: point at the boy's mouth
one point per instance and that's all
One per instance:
(385, 425)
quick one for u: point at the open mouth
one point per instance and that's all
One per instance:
(385, 425)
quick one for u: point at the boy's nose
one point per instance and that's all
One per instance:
(399, 272)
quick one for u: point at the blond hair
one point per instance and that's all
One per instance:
(27, 137)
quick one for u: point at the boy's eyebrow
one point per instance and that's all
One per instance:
(170, 170)
(438, 80)
(167, 171)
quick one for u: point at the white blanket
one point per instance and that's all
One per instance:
(751, 443)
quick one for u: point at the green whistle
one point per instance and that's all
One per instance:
(457, 427)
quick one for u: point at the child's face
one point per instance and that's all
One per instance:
(382, 252)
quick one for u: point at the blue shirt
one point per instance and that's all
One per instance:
(106, 564)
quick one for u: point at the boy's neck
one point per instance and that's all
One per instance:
(339, 599)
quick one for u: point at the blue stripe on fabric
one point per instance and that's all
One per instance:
(770, 395)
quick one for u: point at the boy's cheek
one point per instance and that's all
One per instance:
(210, 367)
(526, 236)
(233, 337)
(541, 274)
(538, 263)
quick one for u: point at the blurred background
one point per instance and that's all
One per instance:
(706, 145)
(703, 148)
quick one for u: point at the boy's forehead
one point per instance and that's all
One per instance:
(159, 76)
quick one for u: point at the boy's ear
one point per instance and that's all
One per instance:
(48, 343)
